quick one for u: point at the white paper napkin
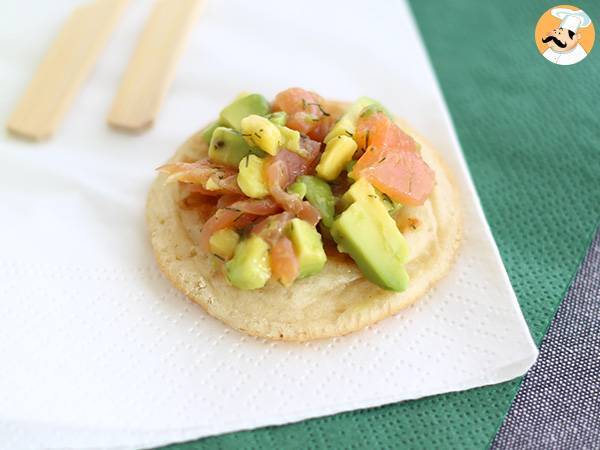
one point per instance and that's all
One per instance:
(98, 350)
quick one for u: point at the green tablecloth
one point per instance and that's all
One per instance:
(530, 131)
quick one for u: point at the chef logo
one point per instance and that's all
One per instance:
(564, 35)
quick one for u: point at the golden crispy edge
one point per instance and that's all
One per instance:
(314, 308)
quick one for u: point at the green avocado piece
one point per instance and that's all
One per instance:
(338, 152)
(370, 236)
(350, 166)
(242, 107)
(297, 188)
(227, 147)
(251, 177)
(363, 189)
(346, 126)
(374, 108)
(359, 190)
(318, 194)
(223, 242)
(290, 139)
(308, 247)
(209, 130)
(260, 132)
(278, 118)
(249, 268)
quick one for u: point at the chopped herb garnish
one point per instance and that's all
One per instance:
(220, 257)
(318, 105)
(413, 223)
(348, 133)
(245, 230)
(247, 160)
(372, 196)
(257, 135)
(246, 134)
(381, 160)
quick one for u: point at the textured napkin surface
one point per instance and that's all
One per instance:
(534, 157)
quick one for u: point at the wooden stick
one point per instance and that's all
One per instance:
(152, 66)
(65, 66)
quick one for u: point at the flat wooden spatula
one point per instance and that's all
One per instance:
(152, 66)
(65, 66)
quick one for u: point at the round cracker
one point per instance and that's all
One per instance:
(337, 301)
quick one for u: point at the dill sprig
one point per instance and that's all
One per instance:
(318, 105)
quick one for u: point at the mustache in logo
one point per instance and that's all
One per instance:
(556, 41)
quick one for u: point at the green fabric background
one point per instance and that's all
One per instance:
(530, 131)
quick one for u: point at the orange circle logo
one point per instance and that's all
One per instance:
(564, 35)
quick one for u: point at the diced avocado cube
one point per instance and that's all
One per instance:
(262, 133)
(290, 139)
(349, 168)
(249, 268)
(318, 193)
(370, 236)
(372, 109)
(297, 188)
(308, 247)
(222, 243)
(362, 189)
(208, 131)
(346, 126)
(338, 152)
(210, 185)
(227, 147)
(251, 177)
(278, 118)
(244, 106)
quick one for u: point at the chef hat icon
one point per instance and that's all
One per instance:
(571, 20)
